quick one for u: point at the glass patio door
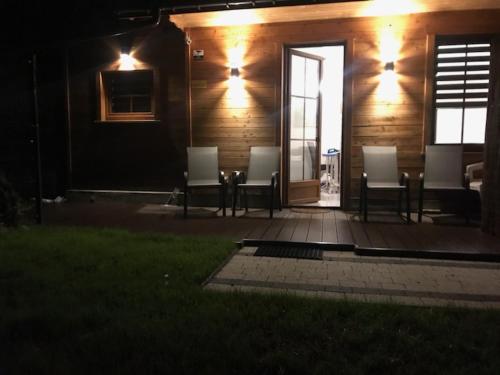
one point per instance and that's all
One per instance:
(304, 107)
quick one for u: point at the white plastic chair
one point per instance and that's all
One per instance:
(203, 172)
(263, 173)
(443, 172)
(380, 172)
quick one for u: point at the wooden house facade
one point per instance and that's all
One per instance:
(193, 102)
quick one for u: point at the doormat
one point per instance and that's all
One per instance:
(289, 252)
(304, 210)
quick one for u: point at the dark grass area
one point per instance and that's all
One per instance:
(85, 301)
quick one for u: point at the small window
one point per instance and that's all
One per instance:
(127, 95)
(462, 73)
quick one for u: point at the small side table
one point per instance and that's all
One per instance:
(332, 171)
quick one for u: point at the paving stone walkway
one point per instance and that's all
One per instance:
(371, 279)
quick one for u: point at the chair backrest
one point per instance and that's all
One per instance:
(263, 162)
(380, 163)
(203, 163)
(443, 164)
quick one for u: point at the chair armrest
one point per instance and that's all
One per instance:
(466, 181)
(404, 180)
(421, 180)
(274, 178)
(364, 180)
(238, 177)
(222, 177)
(242, 177)
(235, 177)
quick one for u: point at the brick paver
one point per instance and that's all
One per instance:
(369, 279)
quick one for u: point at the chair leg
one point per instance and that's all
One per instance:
(219, 190)
(400, 198)
(365, 202)
(420, 204)
(246, 200)
(185, 201)
(271, 206)
(279, 196)
(223, 199)
(408, 207)
(361, 203)
(467, 206)
(235, 197)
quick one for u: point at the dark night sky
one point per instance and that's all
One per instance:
(32, 22)
(28, 23)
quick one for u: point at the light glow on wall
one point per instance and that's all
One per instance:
(236, 94)
(389, 45)
(235, 56)
(388, 88)
(234, 17)
(380, 8)
(389, 53)
(127, 62)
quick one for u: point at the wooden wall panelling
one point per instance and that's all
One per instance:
(368, 118)
(428, 116)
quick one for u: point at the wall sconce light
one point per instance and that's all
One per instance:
(125, 49)
(236, 90)
(389, 65)
(235, 72)
(127, 62)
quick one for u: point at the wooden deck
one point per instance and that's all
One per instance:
(383, 231)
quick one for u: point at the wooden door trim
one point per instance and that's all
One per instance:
(347, 99)
(306, 184)
(347, 105)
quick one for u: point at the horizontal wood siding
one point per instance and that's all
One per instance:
(234, 122)
(130, 156)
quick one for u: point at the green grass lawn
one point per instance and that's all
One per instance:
(84, 301)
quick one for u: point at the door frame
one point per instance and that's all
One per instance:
(345, 158)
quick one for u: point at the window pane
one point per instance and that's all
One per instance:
(312, 78)
(141, 104)
(297, 118)
(311, 119)
(309, 160)
(296, 160)
(474, 125)
(448, 125)
(120, 104)
(298, 75)
(461, 89)
(129, 91)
